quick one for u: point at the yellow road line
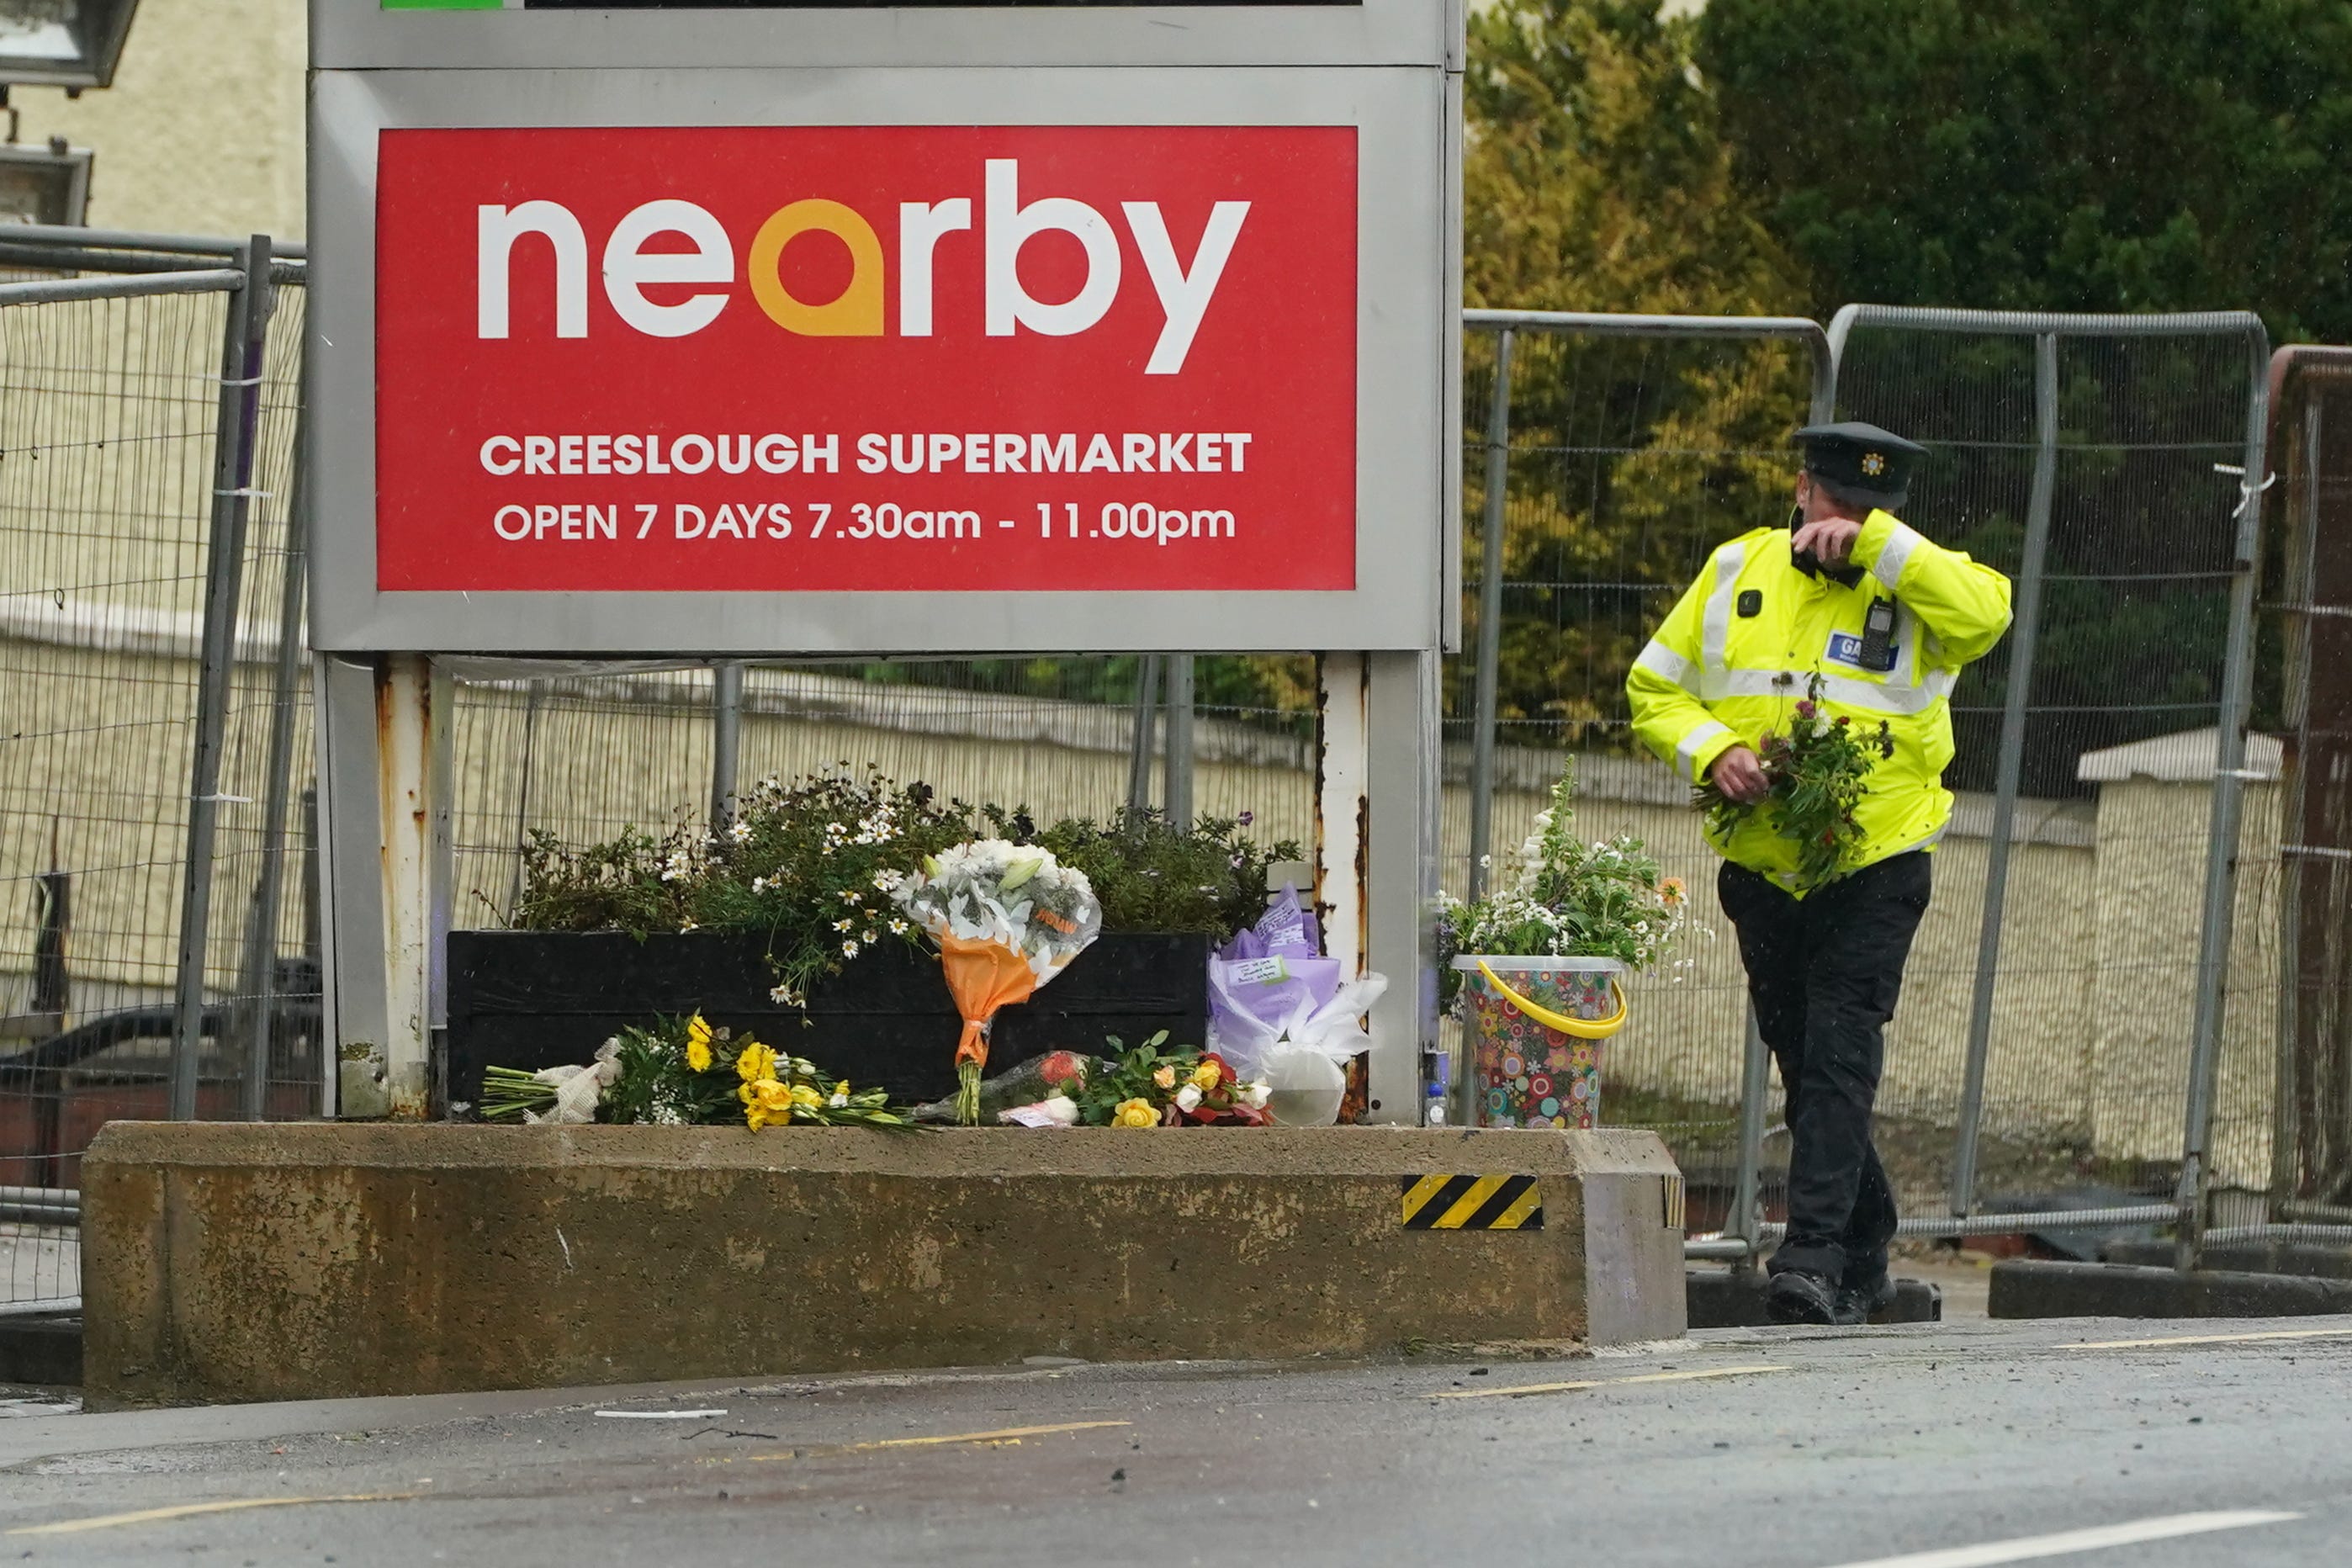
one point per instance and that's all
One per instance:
(1001, 1435)
(185, 1510)
(1518, 1391)
(2213, 1339)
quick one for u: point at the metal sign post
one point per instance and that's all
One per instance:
(746, 331)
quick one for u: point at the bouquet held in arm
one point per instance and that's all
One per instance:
(1007, 918)
(1819, 770)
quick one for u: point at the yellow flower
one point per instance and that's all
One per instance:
(759, 1116)
(1137, 1112)
(1166, 1076)
(697, 1043)
(1205, 1078)
(804, 1096)
(756, 1061)
(773, 1096)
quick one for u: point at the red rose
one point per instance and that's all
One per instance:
(1061, 1067)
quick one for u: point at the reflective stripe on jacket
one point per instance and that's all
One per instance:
(1715, 678)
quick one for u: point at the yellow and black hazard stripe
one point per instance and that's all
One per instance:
(1472, 1203)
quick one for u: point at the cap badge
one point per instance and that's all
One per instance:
(1874, 464)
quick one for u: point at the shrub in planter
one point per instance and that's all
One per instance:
(781, 922)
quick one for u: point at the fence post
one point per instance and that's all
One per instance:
(260, 987)
(245, 320)
(726, 737)
(2229, 791)
(1745, 1221)
(532, 689)
(1490, 618)
(2024, 628)
(2299, 589)
(1138, 751)
(1176, 767)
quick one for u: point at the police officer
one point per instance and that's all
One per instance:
(1886, 619)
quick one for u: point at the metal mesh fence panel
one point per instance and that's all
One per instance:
(583, 756)
(1630, 458)
(108, 409)
(261, 962)
(2087, 1038)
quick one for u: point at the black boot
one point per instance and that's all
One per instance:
(1857, 1304)
(1799, 1298)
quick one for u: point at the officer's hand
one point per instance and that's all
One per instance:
(1830, 538)
(1740, 774)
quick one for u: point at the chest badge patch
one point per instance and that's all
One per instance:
(1750, 603)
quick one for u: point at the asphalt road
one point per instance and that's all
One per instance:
(1766, 1449)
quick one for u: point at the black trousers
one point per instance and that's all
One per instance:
(1823, 971)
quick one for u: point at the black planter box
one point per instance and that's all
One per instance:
(539, 999)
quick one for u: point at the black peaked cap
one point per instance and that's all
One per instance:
(1861, 461)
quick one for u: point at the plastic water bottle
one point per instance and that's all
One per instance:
(1438, 1075)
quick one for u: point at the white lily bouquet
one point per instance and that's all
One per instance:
(1007, 918)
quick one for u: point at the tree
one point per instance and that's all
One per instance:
(1594, 179)
(2049, 154)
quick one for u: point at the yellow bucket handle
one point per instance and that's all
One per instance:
(1582, 1028)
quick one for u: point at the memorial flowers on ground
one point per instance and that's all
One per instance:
(1007, 918)
(1153, 1085)
(683, 1072)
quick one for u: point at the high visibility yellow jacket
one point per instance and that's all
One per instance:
(1738, 651)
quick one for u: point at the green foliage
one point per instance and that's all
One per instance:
(2049, 154)
(1595, 179)
(1593, 176)
(613, 885)
(1819, 769)
(813, 865)
(1151, 876)
(1566, 897)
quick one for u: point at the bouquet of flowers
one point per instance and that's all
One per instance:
(1007, 918)
(683, 1072)
(1819, 771)
(1150, 1086)
(1608, 898)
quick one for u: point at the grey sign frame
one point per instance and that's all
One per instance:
(1389, 79)
(360, 35)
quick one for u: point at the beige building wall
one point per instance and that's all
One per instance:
(202, 132)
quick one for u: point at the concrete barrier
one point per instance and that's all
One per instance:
(229, 1262)
(2031, 1288)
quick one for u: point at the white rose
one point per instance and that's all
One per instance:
(1255, 1095)
(1189, 1098)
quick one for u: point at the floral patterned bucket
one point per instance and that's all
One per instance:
(1533, 1033)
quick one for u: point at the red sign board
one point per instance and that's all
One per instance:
(884, 358)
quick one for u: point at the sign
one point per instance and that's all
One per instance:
(808, 359)
(769, 331)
